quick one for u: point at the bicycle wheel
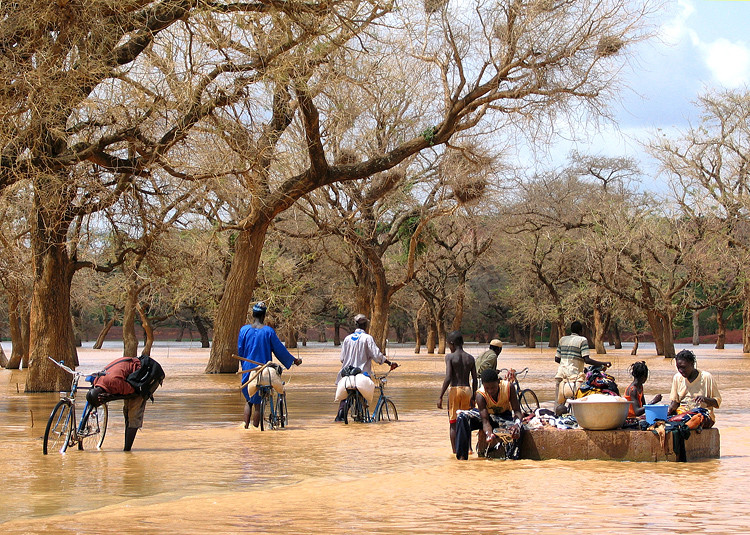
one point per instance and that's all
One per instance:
(358, 407)
(281, 412)
(528, 401)
(59, 428)
(386, 412)
(267, 418)
(94, 428)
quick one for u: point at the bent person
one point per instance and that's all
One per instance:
(112, 384)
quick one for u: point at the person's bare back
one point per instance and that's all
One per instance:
(459, 366)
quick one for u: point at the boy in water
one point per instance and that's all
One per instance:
(459, 365)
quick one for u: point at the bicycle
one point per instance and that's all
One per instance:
(273, 412)
(527, 398)
(385, 408)
(61, 430)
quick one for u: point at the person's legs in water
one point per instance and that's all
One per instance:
(248, 410)
(256, 414)
(133, 409)
(342, 411)
(130, 433)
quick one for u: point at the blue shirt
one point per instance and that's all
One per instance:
(258, 344)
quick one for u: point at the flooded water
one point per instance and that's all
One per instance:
(195, 469)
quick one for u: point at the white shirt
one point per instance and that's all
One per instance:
(685, 392)
(359, 350)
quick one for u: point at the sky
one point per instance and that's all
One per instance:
(700, 45)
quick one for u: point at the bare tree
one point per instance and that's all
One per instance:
(709, 166)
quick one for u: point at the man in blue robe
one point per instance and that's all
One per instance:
(256, 342)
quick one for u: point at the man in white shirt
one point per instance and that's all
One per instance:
(358, 350)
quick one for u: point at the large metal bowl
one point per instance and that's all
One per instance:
(600, 415)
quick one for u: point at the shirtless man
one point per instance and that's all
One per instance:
(459, 365)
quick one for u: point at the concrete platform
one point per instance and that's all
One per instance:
(617, 445)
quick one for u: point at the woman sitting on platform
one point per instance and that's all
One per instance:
(693, 388)
(634, 393)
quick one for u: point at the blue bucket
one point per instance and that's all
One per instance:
(655, 412)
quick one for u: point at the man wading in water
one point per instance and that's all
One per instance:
(256, 342)
(459, 365)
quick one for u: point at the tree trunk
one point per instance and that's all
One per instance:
(336, 331)
(380, 307)
(14, 323)
(3, 358)
(290, 337)
(417, 332)
(129, 337)
(202, 330)
(440, 328)
(148, 329)
(635, 345)
(103, 333)
(554, 335)
(51, 331)
(601, 326)
(657, 330)
(721, 328)
(26, 338)
(235, 301)
(458, 319)
(517, 335)
(668, 333)
(431, 335)
(531, 337)
(696, 328)
(616, 335)
(746, 320)
(322, 338)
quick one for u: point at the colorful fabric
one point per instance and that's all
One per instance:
(459, 399)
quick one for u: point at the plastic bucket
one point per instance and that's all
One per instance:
(655, 412)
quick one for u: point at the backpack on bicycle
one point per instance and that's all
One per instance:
(146, 379)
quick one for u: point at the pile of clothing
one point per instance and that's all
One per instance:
(546, 418)
(680, 426)
(598, 382)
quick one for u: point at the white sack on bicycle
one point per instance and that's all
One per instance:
(361, 382)
(268, 376)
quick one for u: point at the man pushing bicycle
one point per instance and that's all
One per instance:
(358, 350)
(256, 342)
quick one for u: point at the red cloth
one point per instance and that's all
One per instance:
(115, 374)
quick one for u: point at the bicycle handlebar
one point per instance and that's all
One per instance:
(64, 367)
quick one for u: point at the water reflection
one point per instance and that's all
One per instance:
(194, 468)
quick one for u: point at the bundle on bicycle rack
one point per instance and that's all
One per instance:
(270, 375)
(360, 382)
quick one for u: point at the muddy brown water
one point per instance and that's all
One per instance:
(194, 469)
